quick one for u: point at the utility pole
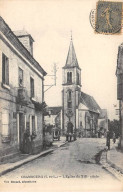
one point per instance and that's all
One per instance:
(54, 77)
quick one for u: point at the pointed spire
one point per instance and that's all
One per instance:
(71, 57)
(71, 35)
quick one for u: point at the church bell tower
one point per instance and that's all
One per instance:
(71, 83)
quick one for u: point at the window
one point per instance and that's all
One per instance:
(31, 87)
(77, 78)
(5, 127)
(69, 77)
(69, 104)
(5, 70)
(33, 124)
(20, 77)
(69, 95)
(80, 123)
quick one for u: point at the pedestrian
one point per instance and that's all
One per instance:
(108, 140)
(114, 137)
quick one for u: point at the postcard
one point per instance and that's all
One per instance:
(61, 95)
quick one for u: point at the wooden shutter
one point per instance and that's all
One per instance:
(5, 127)
(30, 120)
(25, 121)
(36, 124)
(119, 86)
(3, 68)
(7, 71)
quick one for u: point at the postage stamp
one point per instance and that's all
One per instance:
(108, 17)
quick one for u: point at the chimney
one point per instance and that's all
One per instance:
(26, 39)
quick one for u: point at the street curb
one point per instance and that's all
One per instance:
(62, 144)
(25, 161)
(112, 168)
(115, 166)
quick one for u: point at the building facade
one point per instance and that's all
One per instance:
(53, 116)
(80, 111)
(21, 94)
(71, 89)
(119, 74)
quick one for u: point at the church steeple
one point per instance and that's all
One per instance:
(71, 88)
(71, 57)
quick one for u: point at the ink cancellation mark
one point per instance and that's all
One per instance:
(107, 18)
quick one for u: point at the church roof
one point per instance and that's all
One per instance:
(71, 57)
(90, 102)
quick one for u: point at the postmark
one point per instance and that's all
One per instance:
(108, 17)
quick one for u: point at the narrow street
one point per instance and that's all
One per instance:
(74, 162)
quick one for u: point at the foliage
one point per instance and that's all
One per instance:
(114, 126)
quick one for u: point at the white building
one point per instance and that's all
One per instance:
(21, 94)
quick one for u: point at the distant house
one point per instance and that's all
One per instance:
(119, 74)
(21, 94)
(53, 116)
(103, 122)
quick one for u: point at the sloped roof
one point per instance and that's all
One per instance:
(90, 102)
(54, 110)
(103, 114)
(71, 57)
(5, 29)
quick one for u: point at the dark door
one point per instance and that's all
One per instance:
(70, 127)
(21, 130)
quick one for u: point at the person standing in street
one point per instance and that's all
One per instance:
(114, 137)
(108, 140)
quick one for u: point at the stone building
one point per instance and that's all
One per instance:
(79, 110)
(119, 74)
(53, 116)
(21, 94)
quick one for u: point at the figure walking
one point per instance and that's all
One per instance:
(108, 140)
(114, 137)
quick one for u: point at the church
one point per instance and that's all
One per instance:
(79, 111)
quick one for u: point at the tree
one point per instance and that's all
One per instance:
(114, 126)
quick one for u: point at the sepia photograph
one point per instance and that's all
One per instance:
(61, 95)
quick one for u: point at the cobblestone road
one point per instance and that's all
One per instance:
(72, 167)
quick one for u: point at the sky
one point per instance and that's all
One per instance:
(50, 24)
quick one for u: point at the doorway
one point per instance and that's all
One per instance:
(70, 127)
(21, 130)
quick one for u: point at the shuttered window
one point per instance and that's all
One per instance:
(5, 127)
(33, 124)
(20, 77)
(5, 70)
(31, 87)
(119, 86)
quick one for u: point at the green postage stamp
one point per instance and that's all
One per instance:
(108, 17)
